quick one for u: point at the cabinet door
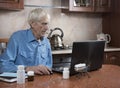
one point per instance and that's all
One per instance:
(86, 5)
(11, 4)
(103, 6)
(61, 60)
(8, 1)
(79, 5)
(112, 58)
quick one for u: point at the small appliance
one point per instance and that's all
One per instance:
(105, 37)
(56, 40)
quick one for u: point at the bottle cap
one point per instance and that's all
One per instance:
(20, 67)
(30, 73)
(66, 69)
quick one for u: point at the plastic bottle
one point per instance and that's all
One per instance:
(20, 74)
(66, 73)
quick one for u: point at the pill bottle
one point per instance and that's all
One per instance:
(30, 75)
(20, 74)
(66, 73)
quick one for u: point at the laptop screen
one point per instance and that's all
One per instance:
(89, 52)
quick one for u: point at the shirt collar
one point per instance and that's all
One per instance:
(31, 37)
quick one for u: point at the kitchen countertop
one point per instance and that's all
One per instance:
(107, 77)
(69, 51)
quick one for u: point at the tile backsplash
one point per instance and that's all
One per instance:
(76, 26)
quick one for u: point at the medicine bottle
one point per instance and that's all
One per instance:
(66, 73)
(20, 74)
(30, 75)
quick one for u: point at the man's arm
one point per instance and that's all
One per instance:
(7, 59)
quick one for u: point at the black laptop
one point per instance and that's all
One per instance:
(89, 52)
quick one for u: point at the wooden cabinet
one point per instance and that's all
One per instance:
(111, 24)
(103, 6)
(12, 4)
(112, 58)
(86, 5)
(77, 6)
(61, 60)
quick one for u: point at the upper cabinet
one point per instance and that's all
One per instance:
(86, 5)
(12, 4)
(103, 6)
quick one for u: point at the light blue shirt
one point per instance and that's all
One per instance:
(24, 49)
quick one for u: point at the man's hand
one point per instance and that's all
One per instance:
(40, 69)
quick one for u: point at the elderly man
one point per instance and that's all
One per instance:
(29, 47)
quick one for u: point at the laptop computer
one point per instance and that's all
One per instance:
(89, 52)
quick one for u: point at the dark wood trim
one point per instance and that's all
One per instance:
(12, 5)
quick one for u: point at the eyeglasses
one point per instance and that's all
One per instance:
(43, 23)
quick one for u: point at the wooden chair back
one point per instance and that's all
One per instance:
(3, 44)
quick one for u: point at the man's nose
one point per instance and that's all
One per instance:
(46, 27)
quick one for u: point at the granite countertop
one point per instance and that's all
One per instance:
(69, 51)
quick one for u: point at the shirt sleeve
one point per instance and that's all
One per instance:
(7, 59)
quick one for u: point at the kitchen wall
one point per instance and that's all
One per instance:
(76, 26)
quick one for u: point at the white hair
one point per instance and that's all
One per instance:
(37, 15)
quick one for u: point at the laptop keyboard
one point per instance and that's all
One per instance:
(60, 62)
(59, 67)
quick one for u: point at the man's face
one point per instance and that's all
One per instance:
(39, 28)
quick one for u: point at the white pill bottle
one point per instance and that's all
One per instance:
(20, 74)
(66, 73)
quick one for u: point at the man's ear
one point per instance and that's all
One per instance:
(33, 24)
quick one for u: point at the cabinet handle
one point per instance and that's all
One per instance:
(106, 56)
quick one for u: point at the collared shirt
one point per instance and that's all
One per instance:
(24, 49)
